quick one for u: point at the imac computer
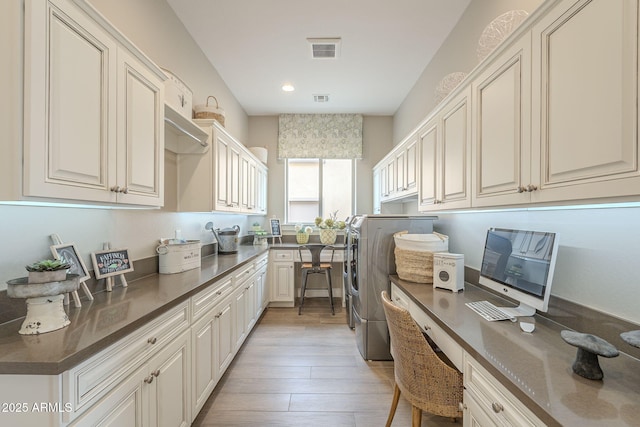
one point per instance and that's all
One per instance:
(519, 264)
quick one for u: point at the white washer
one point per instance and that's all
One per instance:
(448, 271)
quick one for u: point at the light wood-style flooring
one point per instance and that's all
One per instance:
(306, 371)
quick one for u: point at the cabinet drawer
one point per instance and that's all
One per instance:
(399, 298)
(493, 398)
(451, 348)
(245, 272)
(262, 262)
(92, 379)
(204, 300)
(282, 255)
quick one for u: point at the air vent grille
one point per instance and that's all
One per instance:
(325, 48)
(321, 98)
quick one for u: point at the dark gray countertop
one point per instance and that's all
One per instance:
(535, 367)
(146, 298)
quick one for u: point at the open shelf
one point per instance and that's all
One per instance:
(192, 139)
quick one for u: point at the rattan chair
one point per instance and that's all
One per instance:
(316, 266)
(421, 376)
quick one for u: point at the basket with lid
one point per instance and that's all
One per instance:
(414, 255)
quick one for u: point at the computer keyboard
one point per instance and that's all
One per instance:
(489, 311)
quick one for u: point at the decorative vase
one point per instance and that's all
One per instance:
(328, 236)
(302, 238)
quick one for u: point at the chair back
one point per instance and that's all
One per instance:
(315, 249)
(424, 379)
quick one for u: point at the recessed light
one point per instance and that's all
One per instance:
(288, 87)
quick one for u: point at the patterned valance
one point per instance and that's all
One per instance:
(323, 136)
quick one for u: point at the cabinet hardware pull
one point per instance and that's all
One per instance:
(115, 188)
(217, 316)
(426, 328)
(531, 188)
(149, 379)
(219, 293)
(152, 340)
(521, 189)
(156, 373)
(497, 407)
(462, 406)
(125, 190)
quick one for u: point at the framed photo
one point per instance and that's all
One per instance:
(69, 253)
(111, 262)
(276, 231)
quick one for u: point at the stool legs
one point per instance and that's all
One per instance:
(394, 405)
(305, 273)
(328, 274)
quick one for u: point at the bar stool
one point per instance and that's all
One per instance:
(315, 266)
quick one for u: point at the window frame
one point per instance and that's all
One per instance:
(320, 186)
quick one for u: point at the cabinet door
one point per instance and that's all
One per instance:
(221, 170)
(253, 186)
(501, 136)
(401, 172)
(240, 329)
(455, 174)
(70, 105)
(245, 186)
(377, 191)
(234, 177)
(121, 407)
(169, 376)
(282, 282)
(140, 134)
(428, 155)
(224, 333)
(261, 189)
(585, 101)
(474, 415)
(203, 364)
(411, 162)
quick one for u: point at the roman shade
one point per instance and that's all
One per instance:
(323, 136)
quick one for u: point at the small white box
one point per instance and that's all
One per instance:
(448, 271)
(179, 257)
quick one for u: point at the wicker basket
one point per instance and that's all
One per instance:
(207, 112)
(414, 266)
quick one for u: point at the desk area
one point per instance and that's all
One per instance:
(516, 377)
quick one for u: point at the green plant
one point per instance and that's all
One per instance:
(49, 265)
(331, 222)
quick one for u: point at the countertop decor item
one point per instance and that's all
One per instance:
(108, 263)
(631, 338)
(589, 348)
(302, 234)
(48, 270)
(45, 310)
(448, 84)
(329, 228)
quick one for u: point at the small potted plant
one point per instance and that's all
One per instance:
(329, 228)
(48, 270)
(302, 234)
(256, 226)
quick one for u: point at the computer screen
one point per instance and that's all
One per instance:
(519, 264)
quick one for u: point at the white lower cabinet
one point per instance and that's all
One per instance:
(212, 350)
(281, 278)
(489, 403)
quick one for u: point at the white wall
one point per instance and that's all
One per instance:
(376, 135)
(597, 265)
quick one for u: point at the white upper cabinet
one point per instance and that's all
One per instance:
(501, 128)
(585, 101)
(397, 173)
(93, 118)
(226, 178)
(445, 153)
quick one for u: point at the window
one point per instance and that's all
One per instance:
(318, 187)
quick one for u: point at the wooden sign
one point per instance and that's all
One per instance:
(111, 262)
(275, 227)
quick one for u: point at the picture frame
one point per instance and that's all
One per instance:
(111, 262)
(276, 229)
(69, 252)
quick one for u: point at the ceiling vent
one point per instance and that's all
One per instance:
(321, 98)
(328, 48)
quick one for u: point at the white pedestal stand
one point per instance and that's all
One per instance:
(44, 314)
